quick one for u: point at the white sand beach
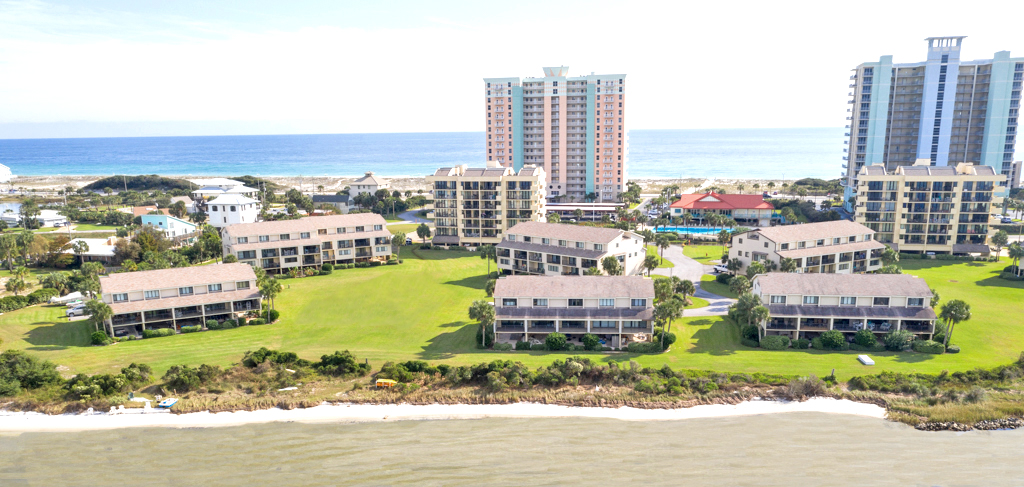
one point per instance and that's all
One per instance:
(21, 422)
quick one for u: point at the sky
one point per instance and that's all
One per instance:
(109, 68)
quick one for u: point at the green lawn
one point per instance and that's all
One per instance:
(664, 263)
(704, 253)
(82, 227)
(408, 228)
(418, 311)
(709, 284)
(696, 302)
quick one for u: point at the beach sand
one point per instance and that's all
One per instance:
(21, 422)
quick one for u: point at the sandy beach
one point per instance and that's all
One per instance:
(22, 422)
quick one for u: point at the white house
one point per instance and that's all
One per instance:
(368, 184)
(232, 209)
(47, 218)
(5, 174)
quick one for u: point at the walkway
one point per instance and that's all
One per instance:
(410, 217)
(687, 268)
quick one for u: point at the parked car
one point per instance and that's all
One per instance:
(1007, 219)
(721, 268)
(408, 240)
(76, 311)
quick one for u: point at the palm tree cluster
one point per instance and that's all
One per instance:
(670, 297)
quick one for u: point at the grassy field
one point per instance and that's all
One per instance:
(709, 284)
(418, 311)
(83, 227)
(409, 229)
(704, 253)
(664, 263)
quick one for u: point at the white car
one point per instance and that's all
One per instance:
(721, 268)
(76, 311)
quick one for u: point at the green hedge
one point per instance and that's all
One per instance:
(11, 303)
(953, 349)
(502, 347)
(747, 342)
(802, 343)
(191, 329)
(163, 332)
(41, 295)
(877, 347)
(927, 346)
(644, 347)
(522, 345)
(775, 342)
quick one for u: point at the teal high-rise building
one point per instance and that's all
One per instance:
(943, 110)
(573, 127)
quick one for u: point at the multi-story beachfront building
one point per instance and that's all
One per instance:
(279, 246)
(943, 110)
(368, 184)
(475, 206)
(552, 249)
(925, 208)
(573, 127)
(839, 246)
(183, 296)
(232, 209)
(618, 309)
(806, 305)
(746, 209)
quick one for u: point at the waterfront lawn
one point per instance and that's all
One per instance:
(664, 263)
(85, 227)
(417, 311)
(709, 284)
(704, 254)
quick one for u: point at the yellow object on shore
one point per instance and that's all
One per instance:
(385, 383)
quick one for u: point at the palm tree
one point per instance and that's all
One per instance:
(8, 249)
(734, 265)
(787, 265)
(483, 312)
(890, 256)
(685, 288)
(667, 311)
(759, 315)
(663, 242)
(578, 213)
(651, 263)
(423, 232)
(953, 312)
(1016, 252)
(80, 247)
(100, 312)
(771, 184)
(55, 280)
(739, 285)
(270, 289)
(397, 241)
(489, 253)
(554, 218)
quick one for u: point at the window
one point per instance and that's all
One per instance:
(185, 291)
(848, 301)
(602, 324)
(553, 268)
(321, 231)
(540, 302)
(638, 303)
(345, 252)
(880, 302)
(213, 288)
(810, 300)
(233, 208)
(784, 246)
(819, 243)
(120, 298)
(575, 303)
(360, 229)
(264, 238)
(801, 245)
(777, 299)
(844, 267)
(508, 302)
(304, 235)
(598, 246)
(378, 227)
(634, 324)
(291, 260)
(606, 302)
(242, 285)
(579, 245)
(917, 302)
(836, 241)
(381, 249)
(243, 240)
(545, 241)
(341, 229)
(152, 294)
(285, 236)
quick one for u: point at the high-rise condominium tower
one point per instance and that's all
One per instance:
(943, 110)
(572, 127)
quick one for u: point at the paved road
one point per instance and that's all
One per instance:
(687, 268)
(410, 217)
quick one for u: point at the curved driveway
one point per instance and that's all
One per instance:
(687, 268)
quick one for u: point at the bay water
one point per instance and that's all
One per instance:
(767, 450)
(733, 153)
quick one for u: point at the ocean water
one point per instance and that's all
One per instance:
(770, 450)
(737, 153)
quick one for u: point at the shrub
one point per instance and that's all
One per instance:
(271, 315)
(99, 338)
(670, 337)
(264, 354)
(750, 343)
(11, 303)
(376, 263)
(877, 347)
(522, 345)
(360, 265)
(425, 246)
(341, 363)
(325, 272)
(898, 340)
(775, 342)
(555, 342)
(802, 344)
(606, 349)
(802, 387)
(953, 349)
(644, 347)
(257, 321)
(591, 342)
(41, 295)
(490, 337)
(184, 378)
(163, 332)
(723, 278)
(392, 261)
(927, 346)
(327, 267)
(865, 338)
(191, 329)
(749, 332)
(213, 325)
(833, 340)
(538, 346)
(503, 347)
(242, 321)
(228, 324)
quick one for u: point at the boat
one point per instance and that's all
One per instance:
(167, 403)
(864, 359)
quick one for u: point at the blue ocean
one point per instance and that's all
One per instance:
(733, 153)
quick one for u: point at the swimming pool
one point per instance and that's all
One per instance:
(689, 230)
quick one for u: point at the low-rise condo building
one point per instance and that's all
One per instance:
(923, 208)
(312, 241)
(181, 296)
(746, 209)
(806, 305)
(232, 209)
(618, 309)
(839, 246)
(553, 249)
(475, 206)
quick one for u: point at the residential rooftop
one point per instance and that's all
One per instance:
(574, 287)
(779, 283)
(559, 231)
(304, 224)
(123, 282)
(813, 231)
(715, 201)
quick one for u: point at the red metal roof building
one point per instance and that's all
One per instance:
(750, 209)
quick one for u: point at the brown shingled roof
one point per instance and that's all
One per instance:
(124, 282)
(843, 284)
(813, 231)
(832, 249)
(306, 224)
(574, 287)
(559, 231)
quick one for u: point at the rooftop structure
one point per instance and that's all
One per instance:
(750, 209)
(839, 246)
(368, 184)
(552, 249)
(232, 209)
(573, 127)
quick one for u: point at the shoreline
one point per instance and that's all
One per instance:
(29, 422)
